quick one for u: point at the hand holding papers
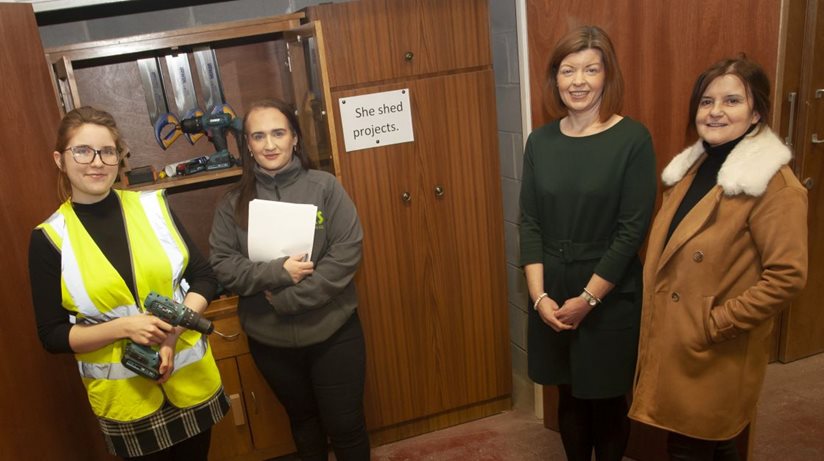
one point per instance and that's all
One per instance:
(278, 229)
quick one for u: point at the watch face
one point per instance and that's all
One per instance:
(592, 302)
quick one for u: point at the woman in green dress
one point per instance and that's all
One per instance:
(587, 197)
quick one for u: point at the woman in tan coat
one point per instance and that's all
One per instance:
(727, 252)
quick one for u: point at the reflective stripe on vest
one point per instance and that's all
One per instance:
(95, 292)
(183, 358)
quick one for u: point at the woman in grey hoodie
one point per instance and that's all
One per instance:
(300, 316)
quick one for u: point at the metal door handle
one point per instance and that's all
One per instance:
(819, 93)
(808, 183)
(439, 191)
(406, 197)
(792, 97)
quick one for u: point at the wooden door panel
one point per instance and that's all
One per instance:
(390, 275)
(47, 414)
(442, 35)
(803, 326)
(231, 437)
(268, 421)
(467, 314)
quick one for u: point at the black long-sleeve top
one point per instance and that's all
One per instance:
(104, 222)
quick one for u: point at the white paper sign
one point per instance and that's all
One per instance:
(278, 229)
(377, 119)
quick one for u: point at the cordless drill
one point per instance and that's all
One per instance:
(215, 126)
(175, 313)
(144, 360)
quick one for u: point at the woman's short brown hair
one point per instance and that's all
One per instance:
(70, 123)
(580, 39)
(753, 77)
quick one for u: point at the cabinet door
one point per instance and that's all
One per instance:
(432, 284)
(467, 312)
(385, 185)
(376, 40)
(231, 437)
(267, 418)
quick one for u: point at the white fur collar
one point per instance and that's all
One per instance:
(747, 169)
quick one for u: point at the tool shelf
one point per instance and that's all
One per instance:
(259, 58)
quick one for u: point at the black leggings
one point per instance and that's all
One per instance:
(194, 448)
(321, 388)
(683, 448)
(587, 424)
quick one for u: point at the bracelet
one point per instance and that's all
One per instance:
(538, 300)
(597, 299)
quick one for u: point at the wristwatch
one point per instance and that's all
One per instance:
(591, 299)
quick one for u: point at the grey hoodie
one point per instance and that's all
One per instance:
(312, 310)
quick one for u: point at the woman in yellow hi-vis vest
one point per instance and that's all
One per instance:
(92, 263)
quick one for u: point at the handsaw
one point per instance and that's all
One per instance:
(166, 125)
(185, 97)
(209, 74)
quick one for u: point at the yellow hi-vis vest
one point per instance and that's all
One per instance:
(94, 292)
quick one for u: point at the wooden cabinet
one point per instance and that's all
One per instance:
(432, 286)
(257, 426)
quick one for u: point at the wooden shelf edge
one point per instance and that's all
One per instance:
(176, 38)
(221, 307)
(173, 182)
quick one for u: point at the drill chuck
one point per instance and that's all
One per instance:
(175, 313)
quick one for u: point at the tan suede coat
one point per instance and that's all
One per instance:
(711, 292)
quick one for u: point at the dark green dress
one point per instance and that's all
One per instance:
(586, 204)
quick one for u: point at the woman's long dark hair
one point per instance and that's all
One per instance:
(247, 185)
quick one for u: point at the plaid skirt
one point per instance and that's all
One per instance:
(162, 429)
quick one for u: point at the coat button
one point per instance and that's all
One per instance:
(698, 256)
(675, 297)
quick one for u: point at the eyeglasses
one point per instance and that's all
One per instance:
(84, 155)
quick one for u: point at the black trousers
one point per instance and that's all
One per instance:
(683, 448)
(194, 448)
(592, 424)
(321, 388)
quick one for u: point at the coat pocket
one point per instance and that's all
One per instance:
(707, 302)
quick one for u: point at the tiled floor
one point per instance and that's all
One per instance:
(790, 427)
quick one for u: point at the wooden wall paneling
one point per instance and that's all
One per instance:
(41, 394)
(661, 47)
(803, 327)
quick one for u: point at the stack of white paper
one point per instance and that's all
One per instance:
(278, 229)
